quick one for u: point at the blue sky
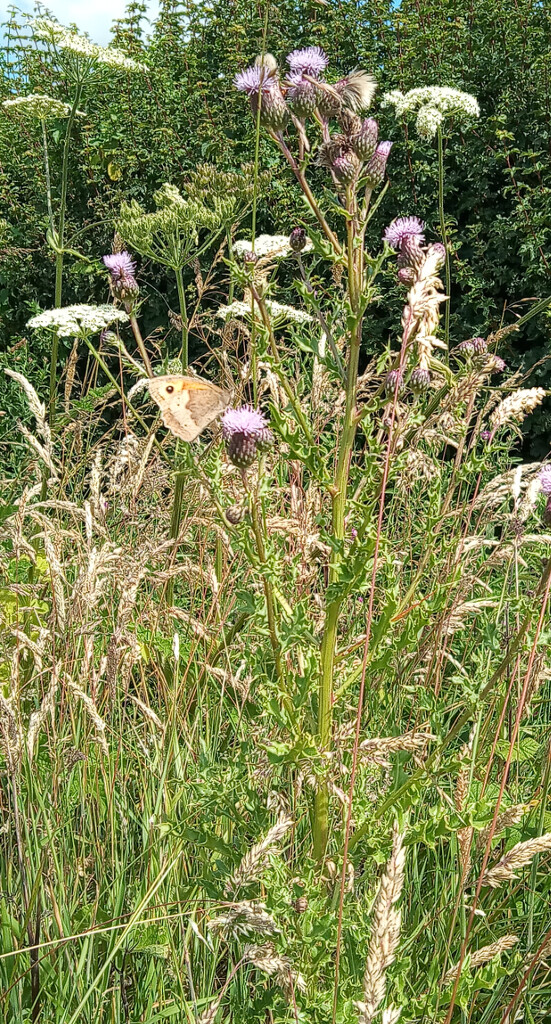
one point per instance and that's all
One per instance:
(94, 17)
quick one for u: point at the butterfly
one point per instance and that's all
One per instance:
(187, 404)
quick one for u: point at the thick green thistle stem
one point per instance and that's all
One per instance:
(329, 641)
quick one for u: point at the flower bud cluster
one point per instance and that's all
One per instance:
(351, 154)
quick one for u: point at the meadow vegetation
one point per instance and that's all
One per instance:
(274, 734)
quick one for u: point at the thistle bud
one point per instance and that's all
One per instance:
(301, 905)
(328, 104)
(411, 253)
(250, 258)
(302, 96)
(496, 364)
(234, 514)
(297, 239)
(479, 345)
(273, 111)
(394, 383)
(437, 251)
(375, 170)
(465, 348)
(406, 275)
(365, 141)
(419, 381)
(345, 168)
(350, 123)
(241, 449)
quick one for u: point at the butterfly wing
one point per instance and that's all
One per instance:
(187, 404)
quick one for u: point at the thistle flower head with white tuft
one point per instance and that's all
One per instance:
(357, 89)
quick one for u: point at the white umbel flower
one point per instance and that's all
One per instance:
(37, 105)
(62, 39)
(79, 320)
(432, 104)
(272, 247)
(277, 309)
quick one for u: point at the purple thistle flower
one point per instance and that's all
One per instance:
(122, 268)
(245, 420)
(545, 478)
(309, 61)
(485, 435)
(120, 265)
(254, 79)
(262, 86)
(404, 227)
(245, 430)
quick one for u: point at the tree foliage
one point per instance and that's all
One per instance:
(139, 132)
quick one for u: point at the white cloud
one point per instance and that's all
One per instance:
(95, 18)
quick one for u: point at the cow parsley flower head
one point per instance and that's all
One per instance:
(403, 227)
(38, 106)
(62, 39)
(75, 321)
(278, 311)
(309, 61)
(432, 103)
